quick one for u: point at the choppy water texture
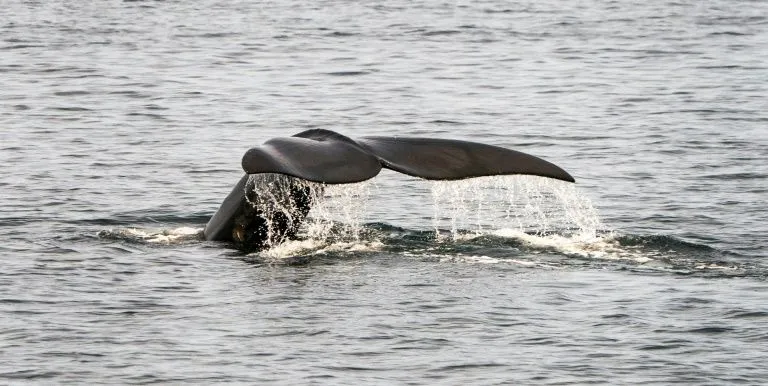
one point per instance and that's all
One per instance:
(122, 125)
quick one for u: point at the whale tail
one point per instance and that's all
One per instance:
(328, 157)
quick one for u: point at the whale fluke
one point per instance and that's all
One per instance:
(327, 157)
(447, 159)
(332, 159)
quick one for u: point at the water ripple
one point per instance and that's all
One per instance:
(123, 125)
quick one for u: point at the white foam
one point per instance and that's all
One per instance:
(306, 247)
(162, 236)
(472, 259)
(715, 266)
(481, 259)
(605, 247)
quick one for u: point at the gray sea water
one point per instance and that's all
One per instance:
(122, 125)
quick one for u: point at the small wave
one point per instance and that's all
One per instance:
(341, 34)
(150, 236)
(644, 252)
(663, 243)
(308, 250)
(485, 259)
(70, 109)
(21, 46)
(347, 73)
(211, 35)
(440, 32)
(736, 176)
(583, 245)
(71, 93)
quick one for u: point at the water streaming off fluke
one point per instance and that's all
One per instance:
(529, 204)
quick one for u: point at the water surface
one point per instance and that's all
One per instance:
(122, 125)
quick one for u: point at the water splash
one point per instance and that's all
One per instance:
(281, 204)
(339, 212)
(334, 222)
(541, 213)
(526, 221)
(528, 204)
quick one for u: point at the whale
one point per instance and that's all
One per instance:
(285, 175)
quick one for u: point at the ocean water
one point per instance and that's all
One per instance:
(122, 125)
